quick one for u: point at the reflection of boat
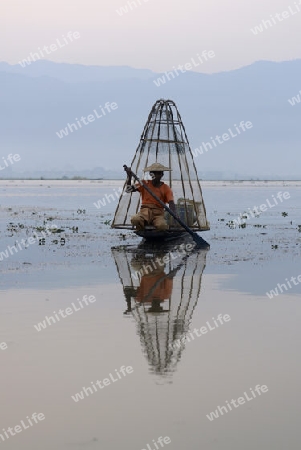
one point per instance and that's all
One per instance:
(161, 297)
(164, 140)
(150, 233)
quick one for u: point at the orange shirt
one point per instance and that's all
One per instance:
(163, 291)
(163, 192)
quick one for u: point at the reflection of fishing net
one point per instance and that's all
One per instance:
(161, 325)
(164, 140)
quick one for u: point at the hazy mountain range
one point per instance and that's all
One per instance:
(39, 100)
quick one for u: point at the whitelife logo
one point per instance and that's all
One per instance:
(90, 118)
(177, 251)
(25, 424)
(65, 312)
(203, 330)
(108, 198)
(3, 346)
(9, 160)
(131, 5)
(102, 384)
(241, 401)
(205, 146)
(11, 250)
(182, 68)
(277, 18)
(166, 440)
(263, 208)
(295, 100)
(274, 293)
(52, 48)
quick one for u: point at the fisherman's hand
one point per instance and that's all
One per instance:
(130, 188)
(127, 170)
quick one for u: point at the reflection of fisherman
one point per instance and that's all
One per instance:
(155, 287)
(151, 212)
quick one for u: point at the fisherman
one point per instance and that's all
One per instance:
(151, 211)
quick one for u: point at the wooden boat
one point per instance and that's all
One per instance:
(164, 141)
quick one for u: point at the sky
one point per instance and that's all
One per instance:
(156, 35)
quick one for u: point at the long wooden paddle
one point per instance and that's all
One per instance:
(200, 242)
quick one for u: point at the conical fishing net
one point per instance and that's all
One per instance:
(164, 141)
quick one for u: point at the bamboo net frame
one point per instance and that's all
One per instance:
(164, 140)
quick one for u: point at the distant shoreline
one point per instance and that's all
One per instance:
(103, 184)
(123, 179)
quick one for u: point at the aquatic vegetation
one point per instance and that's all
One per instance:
(57, 230)
(40, 229)
(62, 241)
(14, 227)
(232, 224)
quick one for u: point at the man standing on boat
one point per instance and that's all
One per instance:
(151, 212)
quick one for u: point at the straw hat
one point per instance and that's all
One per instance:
(156, 167)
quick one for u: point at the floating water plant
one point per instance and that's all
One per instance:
(232, 224)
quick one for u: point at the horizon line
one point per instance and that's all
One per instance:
(42, 60)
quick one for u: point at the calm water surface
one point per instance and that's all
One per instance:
(197, 328)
